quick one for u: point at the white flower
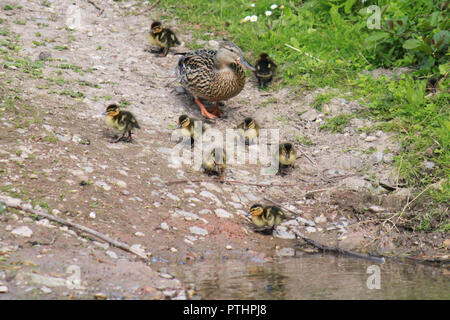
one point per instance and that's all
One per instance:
(247, 18)
(268, 13)
(273, 7)
(252, 5)
(253, 18)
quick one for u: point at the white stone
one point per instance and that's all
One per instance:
(46, 290)
(370, 139)
(111, 254)
(139, 234)
(3, 289)
(199, 231)
(92, 215)
(311, 229)
(22, 231)
(164, 226)
(221, 213)
(282, 233)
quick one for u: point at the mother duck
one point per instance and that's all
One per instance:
(213, 75)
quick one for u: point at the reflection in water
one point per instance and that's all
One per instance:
(311, 277)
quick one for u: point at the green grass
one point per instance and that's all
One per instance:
(336, 124)
(328, 43)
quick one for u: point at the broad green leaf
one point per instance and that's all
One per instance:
(348, 6)
(412, 44)
(377, 36)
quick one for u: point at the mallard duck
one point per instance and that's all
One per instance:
(186, 127)
(248, 130)
(163, 38)
(121, 120)
(213, 75)
(214, 162)
(265, 69)
(286, 155)
(266, 218)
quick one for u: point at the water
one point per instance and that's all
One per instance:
(312, 276)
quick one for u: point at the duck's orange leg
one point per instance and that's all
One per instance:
(203, 109)
(216, 111)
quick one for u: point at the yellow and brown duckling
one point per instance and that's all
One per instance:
(164, 38)
(186, 127)
(286, 156)
(249, 130)
(123, 121)
(265, 218)
(265, 70)
(214, 162)
(213, 75)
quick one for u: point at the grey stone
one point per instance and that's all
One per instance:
(198, 231)
(22, 231)
(283, 233)
(285, 252)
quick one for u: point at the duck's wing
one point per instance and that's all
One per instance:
(195, 67)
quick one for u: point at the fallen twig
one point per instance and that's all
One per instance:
(305, 53)
(96, 7)
(338, 250)
(17, 205)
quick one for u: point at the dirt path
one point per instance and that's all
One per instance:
(55, 153)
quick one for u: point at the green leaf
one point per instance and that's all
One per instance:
(412, 44)
(348, 6)
(2, 208)
(434, 18)
(441, 39)
(444, 68)
(377, 36)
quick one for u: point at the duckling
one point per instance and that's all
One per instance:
(187, 127)
(265, 69)
(213, 75)
(121, 120)
(287, 155)
(248, 130)
(163, 38)
(266, 218)
(215, 161)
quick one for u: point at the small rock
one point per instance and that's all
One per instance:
(23, 231)
(205, 211)
(429, 165)
(139, 234)
(370, 139)
(282, 233)
(306, 222)
(447, 243)
(310, 115)
(320, 219)
(44, 55)
(92, 215)
(111, 254)
(166, 276)
(173, 197)
(56, 212)
(46, 290)
(376, 209)
(125, 192)
(3, 289)
(286, 252)
(169, 293)
(100, 296)
(199, 231)
(164, 226)
(228, 247)
(174, 250)
(221, 213)
(310, 229)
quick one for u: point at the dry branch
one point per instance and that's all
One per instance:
(15, 203)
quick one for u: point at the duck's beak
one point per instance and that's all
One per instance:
(180, 126)
(287, 156)
(105, 113)
(217, 168)
(245, 63)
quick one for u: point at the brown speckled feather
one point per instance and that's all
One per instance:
(198, 73)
